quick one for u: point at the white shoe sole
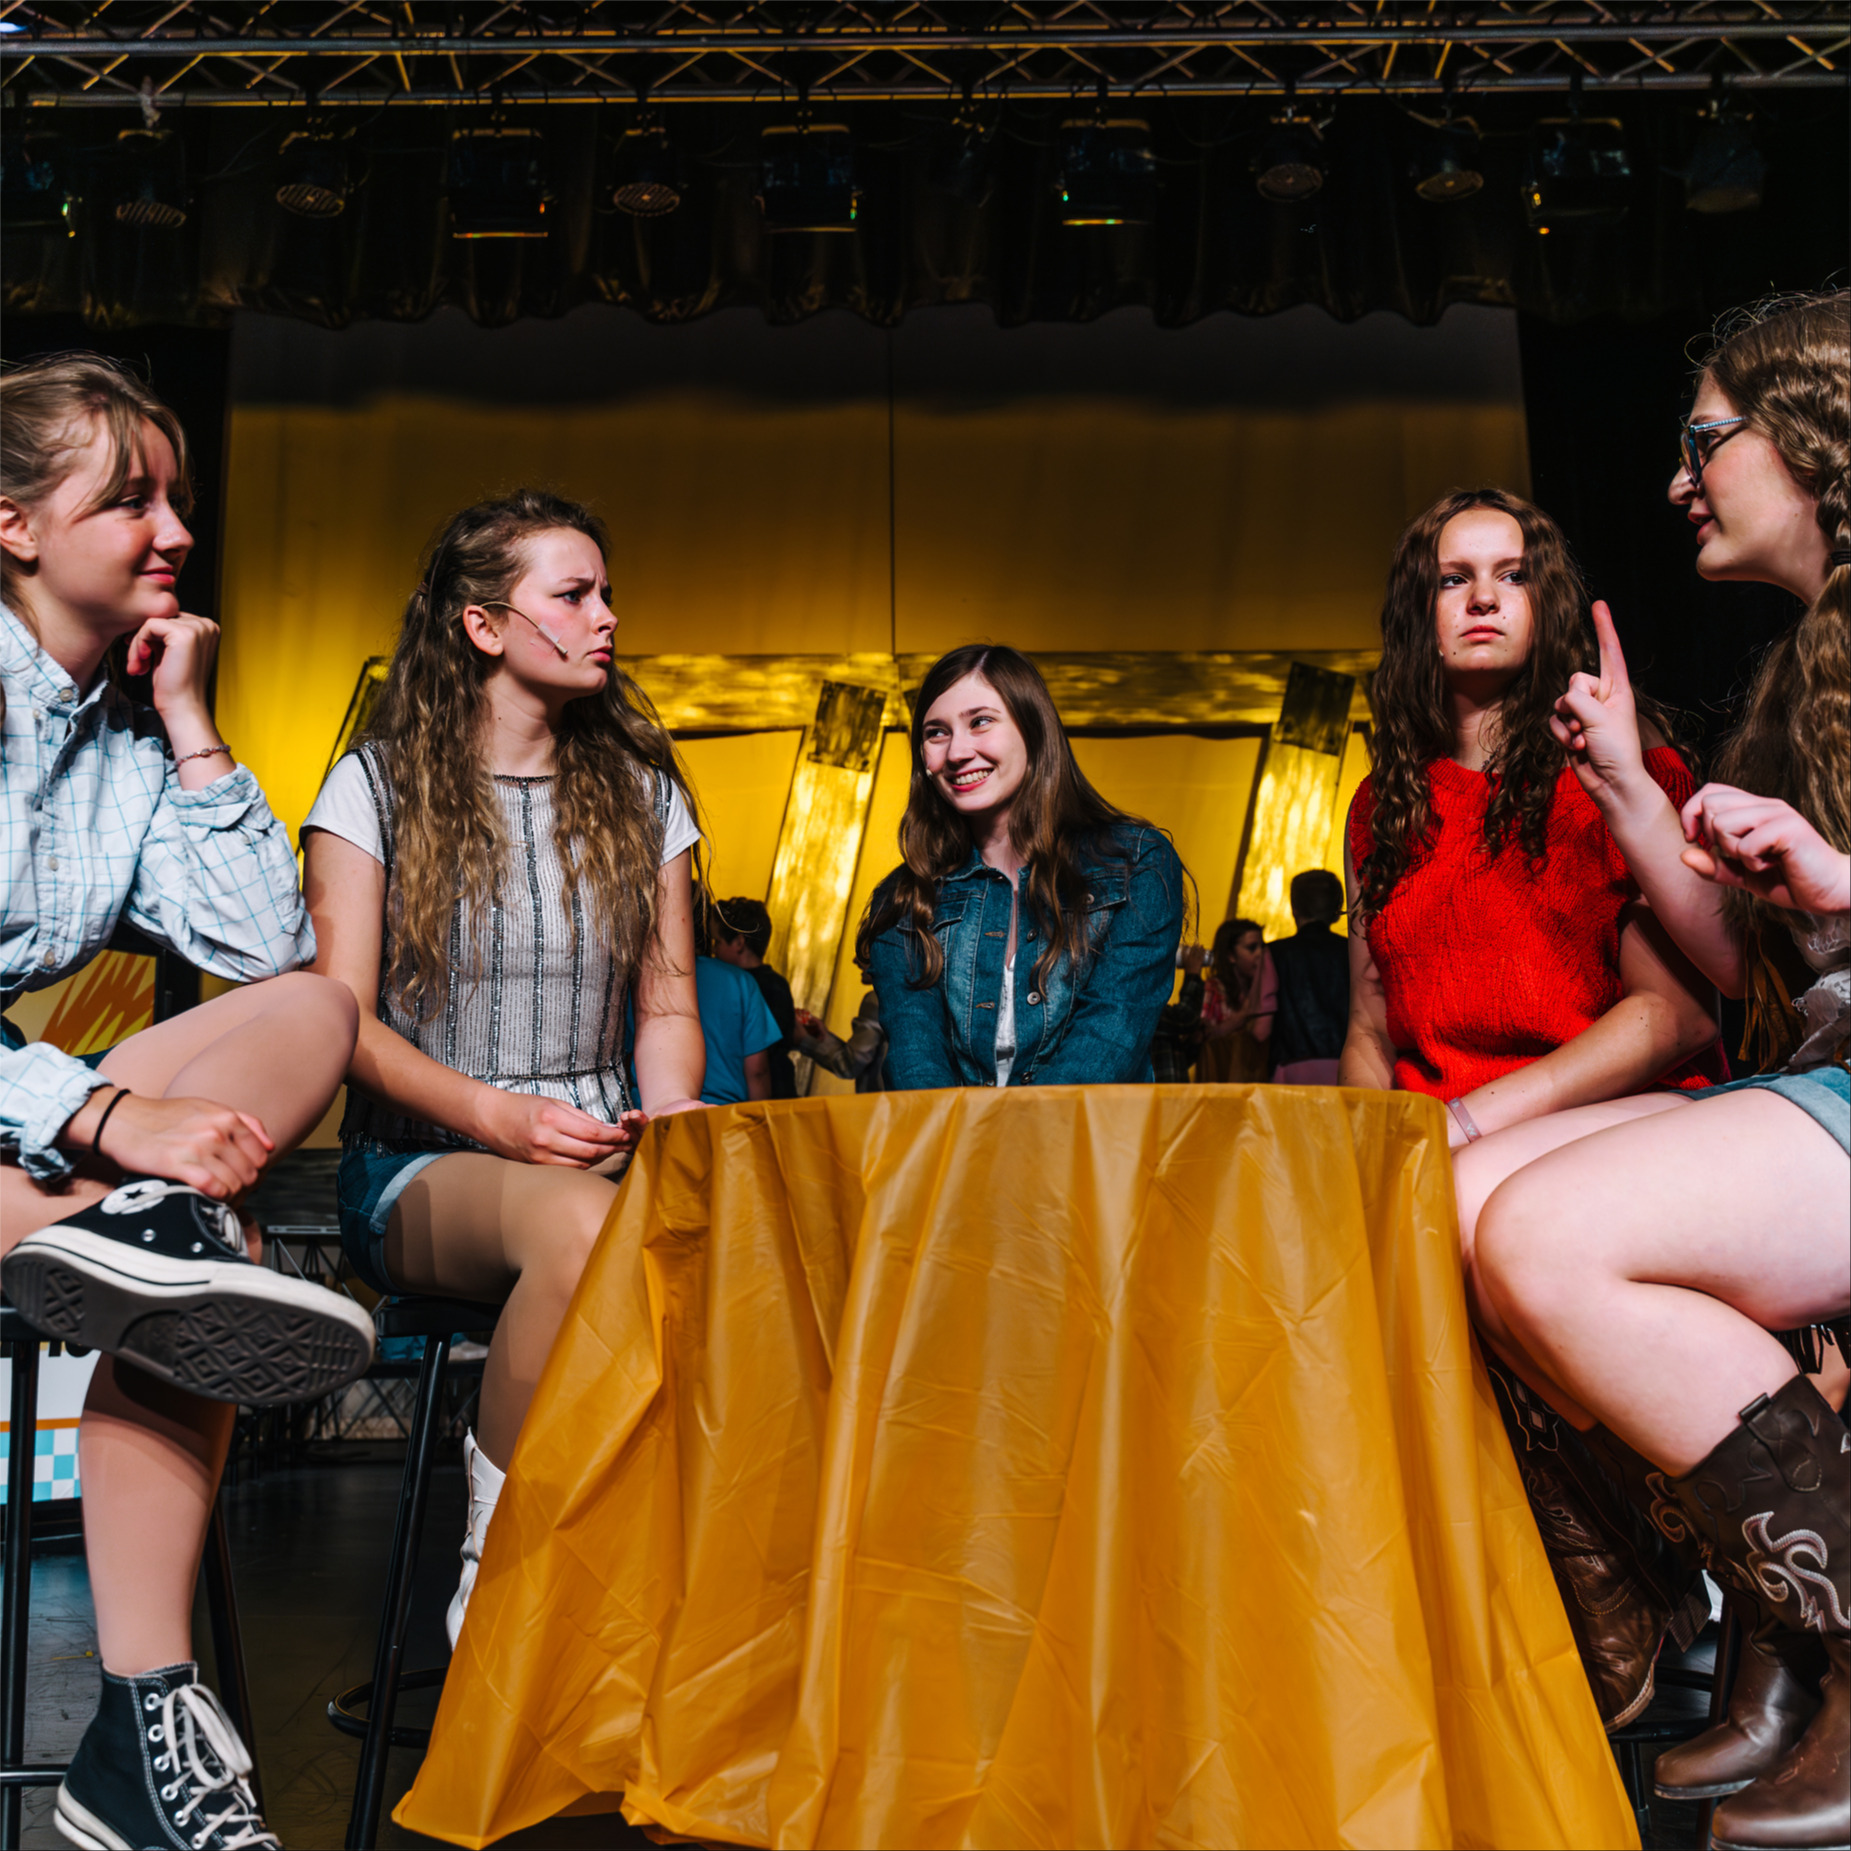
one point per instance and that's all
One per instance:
(224, 1329)
(83, 1827)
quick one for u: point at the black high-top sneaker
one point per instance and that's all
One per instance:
(157, 1274)
(161, 1766)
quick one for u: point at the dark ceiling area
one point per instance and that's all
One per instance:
(174, 163)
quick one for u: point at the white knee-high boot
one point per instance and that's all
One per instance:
(485, 1481)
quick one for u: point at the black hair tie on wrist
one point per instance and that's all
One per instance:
(96, 1137)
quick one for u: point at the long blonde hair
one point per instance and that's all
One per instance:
(449, 841)
(51, 411)
(1786, 368)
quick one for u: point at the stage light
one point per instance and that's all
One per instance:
(36, 190)
(151, 179)
(1108, 174)
(1448, 166)
(648, 173)
(1727, 171)
(1577, 172)
(962, 162)
(1290, 164)
(312, 174)
(806, 177)
(498, 183)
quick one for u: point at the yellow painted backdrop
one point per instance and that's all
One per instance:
(771, 515)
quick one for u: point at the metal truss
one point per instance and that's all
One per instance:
(380, 52)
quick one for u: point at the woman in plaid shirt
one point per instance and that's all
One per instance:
(123, 1174)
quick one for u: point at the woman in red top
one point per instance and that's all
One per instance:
(1501, 959)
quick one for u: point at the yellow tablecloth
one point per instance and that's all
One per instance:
(1078, 1466)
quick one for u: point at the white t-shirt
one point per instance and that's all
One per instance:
(345, 808)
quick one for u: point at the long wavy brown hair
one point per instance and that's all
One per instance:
(1057, 814)
(1413, 715)
(449, 842)
(1786, 367)
(51, 411)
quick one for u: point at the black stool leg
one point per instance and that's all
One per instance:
(16, 1582)
(228, 1638)
(389, 1655)
(1728, 1658)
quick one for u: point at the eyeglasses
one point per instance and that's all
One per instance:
(1695, 451)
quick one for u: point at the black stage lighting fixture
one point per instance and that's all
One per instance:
(311, 178)
(648, 173)
(151, 179)
(36, 189)
(1108, 174)
(962, 161)
(806, 177)
(498, 183)
(1290, 164)
(1578, 172)
(1449, 165)
(1727, 171)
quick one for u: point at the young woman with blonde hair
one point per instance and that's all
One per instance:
(497, 869)
(1633, 1274)
(120, 1174)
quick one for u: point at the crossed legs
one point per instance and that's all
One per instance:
(151, 1455)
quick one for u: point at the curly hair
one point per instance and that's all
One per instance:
(1786, 368)
(1785, 365)
(1413, 717)
(449, 839)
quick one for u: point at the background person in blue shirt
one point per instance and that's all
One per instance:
(1030, 936)
(740, 1033)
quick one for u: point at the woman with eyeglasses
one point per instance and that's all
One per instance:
(502, 860)
(1502, 960)
(1633, 1275)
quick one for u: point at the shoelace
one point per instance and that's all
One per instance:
(192, 1718)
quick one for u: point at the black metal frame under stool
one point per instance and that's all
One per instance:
(367, 1709)
(19, 1343)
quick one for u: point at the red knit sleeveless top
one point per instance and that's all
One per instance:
(1488, 965)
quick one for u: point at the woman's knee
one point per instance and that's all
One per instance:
(574, 1224)
(321, 1010)
(1526, 1262)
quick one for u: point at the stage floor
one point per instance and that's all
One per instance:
(309, 1548)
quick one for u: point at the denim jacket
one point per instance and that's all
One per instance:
(1093, 1026)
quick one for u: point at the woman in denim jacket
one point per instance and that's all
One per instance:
(1007, 846)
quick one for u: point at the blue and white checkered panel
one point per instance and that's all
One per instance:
(54, 1466)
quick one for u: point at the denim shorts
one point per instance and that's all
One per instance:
(367, 1186)
(1823, 1094)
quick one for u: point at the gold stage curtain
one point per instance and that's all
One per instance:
(1097, 1466)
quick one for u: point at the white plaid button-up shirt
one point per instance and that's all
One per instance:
(93, 826)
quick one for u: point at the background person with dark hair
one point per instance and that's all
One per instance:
(742, 936)
(1313, 971)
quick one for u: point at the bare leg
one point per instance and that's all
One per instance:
(1643, 1267)
(151, 1455)
(481, 1227)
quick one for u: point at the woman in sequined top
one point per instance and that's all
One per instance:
(500, 866)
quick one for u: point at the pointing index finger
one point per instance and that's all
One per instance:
(1612, 657)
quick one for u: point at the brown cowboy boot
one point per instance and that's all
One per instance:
(1772, 1504)
(1770, 1704)
(1622, 1584)
(1773, 1696)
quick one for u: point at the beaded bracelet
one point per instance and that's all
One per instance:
(204, 752)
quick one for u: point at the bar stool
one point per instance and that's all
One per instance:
(19, 1343)
(367, 1710)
